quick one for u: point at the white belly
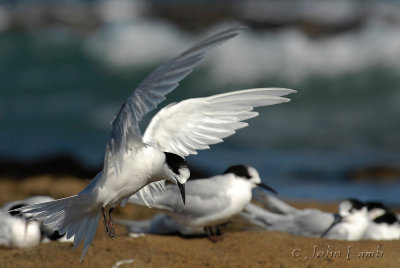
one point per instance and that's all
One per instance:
(136, 171)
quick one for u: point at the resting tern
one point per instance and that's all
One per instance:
(369, 220)
(307, 222)
(17, 232)
(385, 227)
(349, 224)
(352, 222)
(133, 161)
(210, 201)
(47, 231)
(15, 229)
(383, 224)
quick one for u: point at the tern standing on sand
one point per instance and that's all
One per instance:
(210, 201)
(131, 161)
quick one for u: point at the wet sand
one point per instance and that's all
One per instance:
(250, 248)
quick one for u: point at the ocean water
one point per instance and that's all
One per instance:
(60, 90)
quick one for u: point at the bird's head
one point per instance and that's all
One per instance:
(351, 206)
(177, 171)
(249, 174)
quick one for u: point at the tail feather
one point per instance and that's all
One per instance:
(90, 231)
(50, 213)
(79, 235)
(54, 217)
(47, 206)
(74, 216)
(73, 228)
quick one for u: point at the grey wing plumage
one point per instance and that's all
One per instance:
(125, 130)
(274, 204)
(310, 222)
(201, 198)
(313, 223)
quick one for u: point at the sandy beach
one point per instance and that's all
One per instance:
(239, 248)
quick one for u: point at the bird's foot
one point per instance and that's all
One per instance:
(214, 237)
(110, 229)
(108, 224)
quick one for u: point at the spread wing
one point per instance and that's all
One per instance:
(193, 124)
(125, 133)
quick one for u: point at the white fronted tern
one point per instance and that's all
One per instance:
(15, 229)
(352, 222)
(47, 230)
(383, 224)
(210, 201)
(133, 161)
(349, 224)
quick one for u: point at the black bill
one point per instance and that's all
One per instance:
(266, 187)
(182, 190)
(337, 220)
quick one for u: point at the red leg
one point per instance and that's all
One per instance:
(108, 224)
(214, 237)
(111, 224)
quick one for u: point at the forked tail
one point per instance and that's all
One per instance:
(73, 216)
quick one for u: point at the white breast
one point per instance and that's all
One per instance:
(138, 169)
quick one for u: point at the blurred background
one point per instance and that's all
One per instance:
(67, 66)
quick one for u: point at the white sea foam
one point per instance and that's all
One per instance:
(290, 54)
(287, 54)
(136, 44)
(121, 10)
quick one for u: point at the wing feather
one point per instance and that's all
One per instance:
(193, 124)
(125, 132)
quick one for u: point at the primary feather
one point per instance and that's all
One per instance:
(193, 124)
(152, 90)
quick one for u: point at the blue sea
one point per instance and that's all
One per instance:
(61, 89)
